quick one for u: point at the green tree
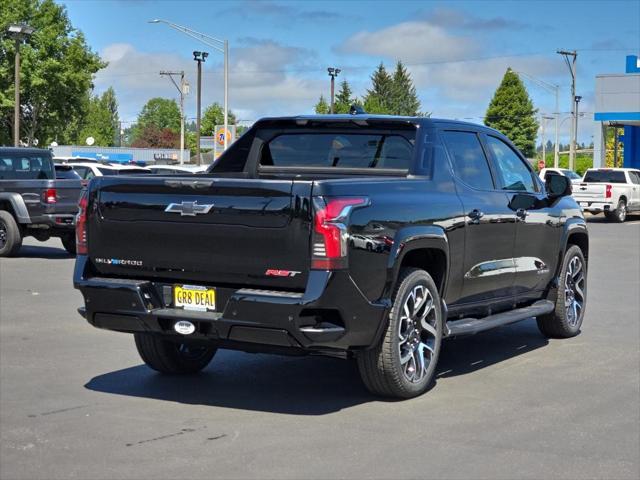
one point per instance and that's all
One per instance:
(344, 98)
(511, 112)
(57, 71)
(214, 115)
(101, 121)
(150, 136)
(160, 113)
(322, 107)
(378, 97)
(404, 100)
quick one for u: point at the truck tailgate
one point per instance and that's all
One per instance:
(590, 192)
(208, 230)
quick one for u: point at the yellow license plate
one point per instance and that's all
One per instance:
(193, 297)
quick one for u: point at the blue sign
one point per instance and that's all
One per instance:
(633, 64)
(109, 157)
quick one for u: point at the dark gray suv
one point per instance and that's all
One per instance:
(33, 202)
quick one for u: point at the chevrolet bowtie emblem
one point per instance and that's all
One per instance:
(188, 209)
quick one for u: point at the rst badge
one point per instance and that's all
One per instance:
(272, 272)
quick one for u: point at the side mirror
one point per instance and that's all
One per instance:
(558, 186)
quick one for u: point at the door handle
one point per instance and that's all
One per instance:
(521, 213)
(475, 215)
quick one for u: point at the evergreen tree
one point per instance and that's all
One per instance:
(344, 98)
(378, 98)
(511, 112)
(322, 107)
(404, 100)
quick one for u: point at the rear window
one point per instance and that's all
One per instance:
(604, 176)
(25, 166)
(66, 173)
(107, 171)
(339, 150)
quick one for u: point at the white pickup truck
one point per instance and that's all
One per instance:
(614, 191)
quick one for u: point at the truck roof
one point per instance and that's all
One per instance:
(365, 117)
(24, 150)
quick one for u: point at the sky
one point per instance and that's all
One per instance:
(279, 51)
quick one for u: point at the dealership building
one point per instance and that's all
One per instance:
(617, 99)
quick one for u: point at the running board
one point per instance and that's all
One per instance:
(471, 326)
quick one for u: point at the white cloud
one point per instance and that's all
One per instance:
(413, 41)
(259, 81)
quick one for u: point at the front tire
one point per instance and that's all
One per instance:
(170, 357)
(619, 215)
(10, 235)
(571, 298)
(403, 364)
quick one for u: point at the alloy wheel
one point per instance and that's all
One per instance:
(574, 295)
(3, 234)
(417, 333)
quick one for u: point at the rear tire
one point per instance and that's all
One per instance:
(403, 363)
(10, 235)
(619, 215)
(69, 243)
(571, 298)
(170, 357)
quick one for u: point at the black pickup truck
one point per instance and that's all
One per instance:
(33, 201)
(356, 236)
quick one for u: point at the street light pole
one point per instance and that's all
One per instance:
(20, 33)
(333, 73)
(199, 57)
(574, 126)
(221, 46)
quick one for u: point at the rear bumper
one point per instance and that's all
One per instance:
(331, 315)
(596, 207)
(62, 221)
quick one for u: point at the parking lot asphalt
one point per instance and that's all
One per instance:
(77, 402)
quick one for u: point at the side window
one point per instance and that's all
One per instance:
(469, 162)
(512, 171)
(635, 177)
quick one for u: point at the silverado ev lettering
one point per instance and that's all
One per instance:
(366, 237)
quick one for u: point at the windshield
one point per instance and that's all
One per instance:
(25, 166)
(571, 174)
(604, 176)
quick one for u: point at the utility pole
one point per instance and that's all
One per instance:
(333, 73)
(574, 125)
(199, 57)
(554, 89)
(182, 89)
(20, 34)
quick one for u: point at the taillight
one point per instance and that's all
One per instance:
(330, 230)
(50, 195)
(81, 225)
(607, 192)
